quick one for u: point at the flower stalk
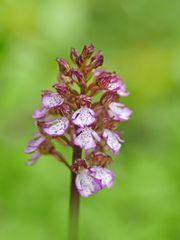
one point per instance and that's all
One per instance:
(74, 203)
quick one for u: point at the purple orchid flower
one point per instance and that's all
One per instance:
(83, 117)
(87, 138)
(105, 175)
(55, 127)
(51, 100)
(86, 184)
(92, 180)
(113, 140)
(118, 112)
(111, 82)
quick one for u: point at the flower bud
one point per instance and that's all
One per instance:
(61, 88)
(83, 101)
(103, 78)
(79, 77)
(64, 66)
(101, 159)
(108, 97)
(87, 51)
(74, 55)
(78, 164)
(97, 60)
(64, 110)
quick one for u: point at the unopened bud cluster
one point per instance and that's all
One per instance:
(71, 115)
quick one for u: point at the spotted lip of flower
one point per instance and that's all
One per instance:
(118, 112)
(113, 141)
(86, 184)
(83, 117)
(55, 127)
(51, 100)
(86, 138)
(92, 180)
(105, 175)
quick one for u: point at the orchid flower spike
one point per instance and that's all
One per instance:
(82, 112)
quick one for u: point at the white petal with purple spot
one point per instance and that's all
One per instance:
(105, 175)
(51, 100)
(87, 138)
(112, 140)
(86, 184)
(119, 112)
(56, 127)
(83, 117)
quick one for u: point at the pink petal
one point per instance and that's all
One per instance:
(30, 149)
(34, 158)
(34, 144)
(122, 91)
(114, 85)
(39, 113)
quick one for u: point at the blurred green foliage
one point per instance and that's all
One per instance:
(141, 40)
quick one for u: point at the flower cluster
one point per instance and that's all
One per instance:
(71, 115)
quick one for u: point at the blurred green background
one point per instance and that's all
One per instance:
(140, 39)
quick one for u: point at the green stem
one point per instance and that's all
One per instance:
(74, 201)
